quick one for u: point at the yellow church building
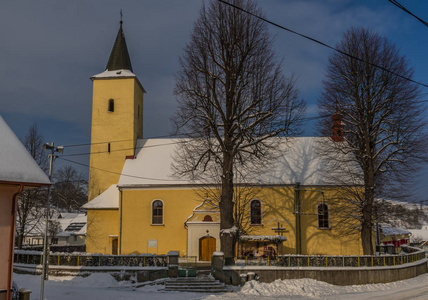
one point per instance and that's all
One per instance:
(137, 205)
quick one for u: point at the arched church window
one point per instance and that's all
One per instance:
(323, 222)
(111, 105)
(256, 212)
(157, 212)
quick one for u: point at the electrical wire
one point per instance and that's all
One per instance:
(323, 44)
(159, 145)
(400, 6)
(117, 173)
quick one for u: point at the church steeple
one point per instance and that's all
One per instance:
(117, 118)
(119, 57)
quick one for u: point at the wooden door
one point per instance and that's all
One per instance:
(206, 248)
(114, 247)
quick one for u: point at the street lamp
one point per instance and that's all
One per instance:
(45, 268)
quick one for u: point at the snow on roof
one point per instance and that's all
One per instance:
(116, 73)
(109, 199)
(16, 164)
(298, 161)
(68, 215)
(419, 233)
(388, 230)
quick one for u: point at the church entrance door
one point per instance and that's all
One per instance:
(206, 248)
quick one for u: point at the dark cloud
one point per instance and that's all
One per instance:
(50, 49)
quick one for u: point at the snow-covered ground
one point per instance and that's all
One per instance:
(102, 286)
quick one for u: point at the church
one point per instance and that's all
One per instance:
(136, 204)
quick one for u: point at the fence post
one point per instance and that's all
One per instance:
(172, 264)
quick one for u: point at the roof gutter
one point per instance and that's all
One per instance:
(12, 231)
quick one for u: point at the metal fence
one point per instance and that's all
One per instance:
(93, 260)
(334, 261)
(187, 266)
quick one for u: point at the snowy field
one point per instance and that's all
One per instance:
(101, 286)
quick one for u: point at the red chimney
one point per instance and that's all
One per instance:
(338, 135)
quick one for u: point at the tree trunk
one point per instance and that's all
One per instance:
(367, 211)
(226, 208)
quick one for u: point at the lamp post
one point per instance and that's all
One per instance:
(45, 267)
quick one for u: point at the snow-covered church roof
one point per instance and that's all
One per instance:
(16, 164)
(298, 160)
(109, 199)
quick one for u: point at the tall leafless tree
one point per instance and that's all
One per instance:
(233, 98)
(31, 202)
(384, 128)
(69, 192)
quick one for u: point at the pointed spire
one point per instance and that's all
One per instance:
(119, 57)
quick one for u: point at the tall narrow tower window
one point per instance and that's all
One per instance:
(256, 212)
(111, 105)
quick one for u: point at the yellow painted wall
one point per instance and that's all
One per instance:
(125, 125)
(101, 225)
(277, 206)
(136, 220)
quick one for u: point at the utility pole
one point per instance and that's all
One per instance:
(45, 267)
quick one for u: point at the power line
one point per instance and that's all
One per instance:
(323, 44)
(122, 149)
(396, 3)
(118, 141)
(117, 173)
(165, 144)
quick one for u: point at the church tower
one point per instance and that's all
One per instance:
(117, 118)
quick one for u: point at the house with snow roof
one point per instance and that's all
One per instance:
(18, 171)
(137, 204)
(72, 229)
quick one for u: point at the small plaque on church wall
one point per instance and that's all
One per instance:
(152, 243)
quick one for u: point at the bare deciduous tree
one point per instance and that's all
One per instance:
(70, 190)
(384, 128)
(31, 202)
(233, 97)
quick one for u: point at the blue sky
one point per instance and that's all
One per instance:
(50, 49)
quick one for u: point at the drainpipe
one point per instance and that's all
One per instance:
(12, 233)
(297, 213)
(120, 221)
